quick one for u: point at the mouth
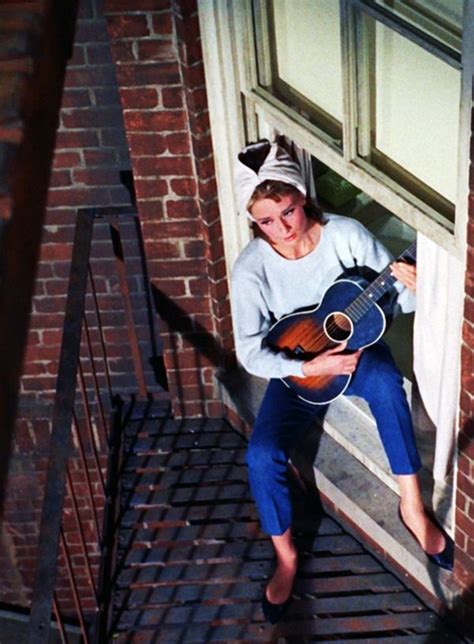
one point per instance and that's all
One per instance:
(290, 238)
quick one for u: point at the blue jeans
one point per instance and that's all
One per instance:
(283, 418)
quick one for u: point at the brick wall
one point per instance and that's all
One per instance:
(156, 48)
(91, 152)
(464, 568)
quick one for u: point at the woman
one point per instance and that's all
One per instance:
(296, 255)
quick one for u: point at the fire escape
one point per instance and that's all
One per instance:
(180, 556)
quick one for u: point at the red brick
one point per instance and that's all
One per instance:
(165, 73)
(156, 50)
(194, 76)
(155, 121)
(179, 143)
(78, 197)
(163, 166)
(85, 139)
(94, 76)
(163, 250)
(183, 187)
(195, 248)
(202, 145)
(146, 144)
(465, 485)
(52, 252)
(181, 268)
(136, 97)
(119, 6)
(172, 287)
(99, 157)
(122, 51)
(67, 159)
(97, 117)
(185, 208)
(199, 286)
(78, 56)
(60, 178)
(95, 177)
(165, 230)
(75, 98)
(126, 26)
(151, 189)
(208, 189)
(49, 304)
(162, 24)
(97, 53)
(172, 97)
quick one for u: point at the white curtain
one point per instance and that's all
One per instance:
(437, 343)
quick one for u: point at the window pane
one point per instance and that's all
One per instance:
(440, 18)
(305, 58)
(414, 112)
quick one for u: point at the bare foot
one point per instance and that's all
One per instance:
(280, 585)
(429, 536)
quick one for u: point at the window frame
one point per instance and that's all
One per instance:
(345, 159)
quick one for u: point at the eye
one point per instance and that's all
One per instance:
(288, 213)
(265, 222)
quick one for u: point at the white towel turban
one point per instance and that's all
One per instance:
(262, 161)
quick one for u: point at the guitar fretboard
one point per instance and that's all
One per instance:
(379, 287)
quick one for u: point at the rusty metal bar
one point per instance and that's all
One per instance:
(75, 594)
(110, 523)
(101, 333)
(77, 516)
(60, 442)
(83, 458)
(88, 419)
(103, 424)
(59, 621)
(131, 330)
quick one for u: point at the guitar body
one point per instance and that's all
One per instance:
(306, 334)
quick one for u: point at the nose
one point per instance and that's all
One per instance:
(284, 226)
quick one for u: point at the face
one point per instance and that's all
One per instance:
(283, 222)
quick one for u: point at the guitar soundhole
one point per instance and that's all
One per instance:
(338, 327)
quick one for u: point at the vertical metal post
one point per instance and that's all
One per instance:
(132, 332)
(60, 443)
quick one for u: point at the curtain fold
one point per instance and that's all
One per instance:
(437, 343)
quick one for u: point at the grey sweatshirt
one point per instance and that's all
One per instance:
(266, 286)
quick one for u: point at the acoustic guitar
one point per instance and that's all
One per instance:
(349, 312)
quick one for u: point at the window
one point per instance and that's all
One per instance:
(378, 80)
(292, 40)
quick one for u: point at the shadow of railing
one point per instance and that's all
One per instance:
(87, 421)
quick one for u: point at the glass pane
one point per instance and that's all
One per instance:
(304, 58)
(440, 18)
(414, 101)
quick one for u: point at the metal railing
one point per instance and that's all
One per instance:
(86, 424)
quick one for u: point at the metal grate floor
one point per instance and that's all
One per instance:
(193, 563)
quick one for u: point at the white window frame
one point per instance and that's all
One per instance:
(237, 104)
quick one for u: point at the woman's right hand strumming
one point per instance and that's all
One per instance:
(332, 362)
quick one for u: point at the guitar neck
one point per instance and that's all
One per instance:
(377, 288)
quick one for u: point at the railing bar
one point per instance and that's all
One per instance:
(87, 474)
(77, 516)
(88, 417)
(103, 423)
(110, 532)
(59, 621)
(60, 441)
(75, 594)
(101, 333)
(132, 332)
